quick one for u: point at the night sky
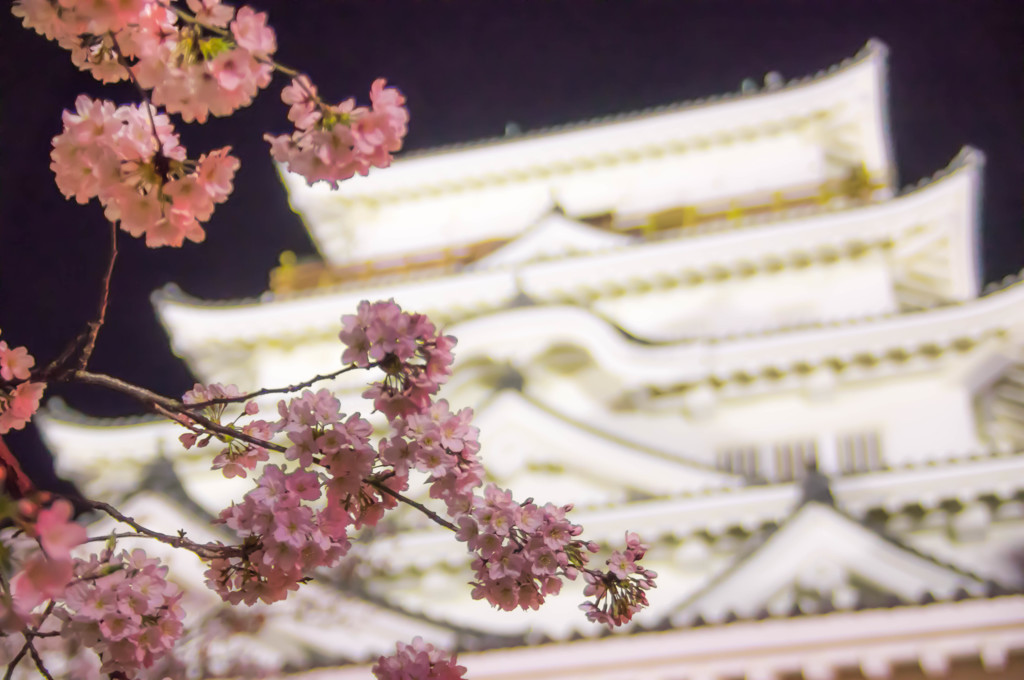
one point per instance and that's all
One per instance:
(468, 68)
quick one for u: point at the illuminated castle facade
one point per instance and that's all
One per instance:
(720, 324)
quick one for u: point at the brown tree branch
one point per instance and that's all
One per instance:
(101, 314)
(408, 501)
(29, 634)
(40, 666)
(176, 410)
(203, 550)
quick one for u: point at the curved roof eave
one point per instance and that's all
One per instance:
(873, 55)
(536, 163)
(192, 323)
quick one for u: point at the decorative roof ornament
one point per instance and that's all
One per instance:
(773, 80)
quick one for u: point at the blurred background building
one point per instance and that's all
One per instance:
(720, 324)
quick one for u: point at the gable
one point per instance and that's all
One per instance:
(821, 559)
(544, 454)
(552, 236)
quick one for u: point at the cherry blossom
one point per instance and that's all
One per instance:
(18, 401)
(150, 188)
(15, 362)
(122, 607)
(419, 660)
(18, 405)
(334, 143)
(57, 533)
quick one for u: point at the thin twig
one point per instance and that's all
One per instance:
(16, 660)
(163, 404)
(127, 534)
(419, 506)
(101, 314)
(203, 550)
(29, 634)
(39, 662)
(142, 92)
(276, 390)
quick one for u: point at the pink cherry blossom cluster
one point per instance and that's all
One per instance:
(240, 456)
(19, 399)
(523, 550)
(333, 143)
(619, 593)
(419, 661)
(45, 574)
(86, 29)
(195, 73)
(442, 445)
(151, 188)
(296, 520)
(214, 63)
(285, 537)
(415, 357)
(119, 605)
(123, 608)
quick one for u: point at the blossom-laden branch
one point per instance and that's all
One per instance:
(210, 59)
(299, 515)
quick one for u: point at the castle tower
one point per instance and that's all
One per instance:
(720, 324)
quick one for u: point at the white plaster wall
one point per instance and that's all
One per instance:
(916, 418)
(924, 415)
(375, 231)
(820, 293)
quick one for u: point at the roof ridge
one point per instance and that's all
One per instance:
(874, 47)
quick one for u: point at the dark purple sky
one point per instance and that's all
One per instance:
(467, 68)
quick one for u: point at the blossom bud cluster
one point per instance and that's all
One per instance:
(619, 593)
(240, 456)
(149, 186)
(333, 143)
(215, 64)
(419, 660)
(18, 402)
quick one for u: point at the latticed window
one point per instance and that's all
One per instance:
(741, 460)
(792, 459)
(859, 452)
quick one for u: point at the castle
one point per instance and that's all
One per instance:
(720, 324)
